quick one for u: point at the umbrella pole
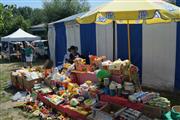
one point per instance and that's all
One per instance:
(129, 41)
(129, 46)
(114, 40)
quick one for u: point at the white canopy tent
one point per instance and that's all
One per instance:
(20, 35)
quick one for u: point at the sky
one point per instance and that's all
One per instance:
(38, 3)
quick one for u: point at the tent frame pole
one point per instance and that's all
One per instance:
(9, 52)
(129, 41)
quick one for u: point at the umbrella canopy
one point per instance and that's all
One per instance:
(20, 35)
(133, 12)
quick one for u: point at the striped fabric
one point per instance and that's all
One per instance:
(155, 48)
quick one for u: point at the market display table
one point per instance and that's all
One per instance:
(63, 108)
(121, 101)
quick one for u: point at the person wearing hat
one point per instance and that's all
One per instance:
(71, 55)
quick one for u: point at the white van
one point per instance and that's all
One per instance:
(41, 47)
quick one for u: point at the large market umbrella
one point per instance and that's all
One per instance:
(132, 12)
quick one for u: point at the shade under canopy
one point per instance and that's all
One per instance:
(20, 35)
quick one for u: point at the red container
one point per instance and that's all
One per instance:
(63, 108)
(83, 77)
(122, 101)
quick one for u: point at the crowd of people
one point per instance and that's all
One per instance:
(26, 52)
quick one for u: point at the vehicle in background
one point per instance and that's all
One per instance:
(41, 48)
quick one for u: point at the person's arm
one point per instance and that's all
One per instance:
(32, 46)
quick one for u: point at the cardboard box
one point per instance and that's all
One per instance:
(152, 112)
(14, 79)
(29, 84)
(20, 81)
(47, 81)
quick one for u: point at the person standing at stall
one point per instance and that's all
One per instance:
(29, 54)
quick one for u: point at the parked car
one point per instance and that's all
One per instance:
(41, 48)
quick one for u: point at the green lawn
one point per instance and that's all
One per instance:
(5, 70)
(6, 110)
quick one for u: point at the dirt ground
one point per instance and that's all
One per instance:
(7, 112)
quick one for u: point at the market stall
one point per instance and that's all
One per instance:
(18, 36)
(101, 88)
(60, 92)
(147, 43)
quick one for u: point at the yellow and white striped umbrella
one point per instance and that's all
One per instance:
(133, 12)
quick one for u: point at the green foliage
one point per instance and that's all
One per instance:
(12, 18)
(26, 12)
(5, 16)
(19, 22)
(59, 9)
(37, 16)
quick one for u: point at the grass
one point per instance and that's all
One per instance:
(5, 69)
(6, 111)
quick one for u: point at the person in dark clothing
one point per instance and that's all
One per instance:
(73, 53)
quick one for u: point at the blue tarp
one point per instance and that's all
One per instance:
(60, 43)
(88, 39)
(122, 42)
(136, 44)
(177, 75)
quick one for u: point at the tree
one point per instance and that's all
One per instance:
(59, 9)
(11, 20)
(37, 16)
(19, 22)
(26, 12)
(5, 16)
